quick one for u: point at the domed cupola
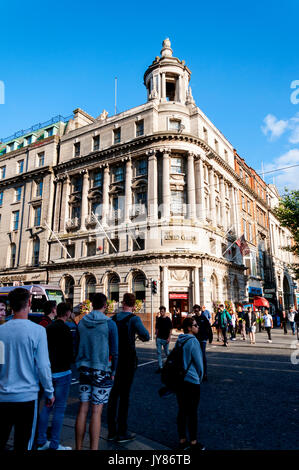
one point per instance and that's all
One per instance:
(167, 79)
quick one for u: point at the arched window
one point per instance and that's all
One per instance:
(138, 286)
(35, 252)
(13, 251)
(90, 287)
(113, 287)
(214, 288)
(69, 290)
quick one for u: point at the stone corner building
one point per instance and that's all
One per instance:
(153, 193)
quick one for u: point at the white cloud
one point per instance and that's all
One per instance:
(274, 127)
(294, 126)
(288, 178)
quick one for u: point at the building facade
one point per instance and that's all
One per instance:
(152, 193)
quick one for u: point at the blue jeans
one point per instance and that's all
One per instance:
(293, 327)
(162, 342)
(61, 391)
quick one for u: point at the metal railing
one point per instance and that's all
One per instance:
(36, 127)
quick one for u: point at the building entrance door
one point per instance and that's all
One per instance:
(178, 307)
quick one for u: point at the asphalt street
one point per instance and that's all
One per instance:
(250, 401)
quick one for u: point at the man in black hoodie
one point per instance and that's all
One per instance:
(204, 334)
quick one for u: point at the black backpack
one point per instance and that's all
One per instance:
(126, 350)
(173, 371)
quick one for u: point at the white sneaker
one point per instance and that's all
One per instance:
(60, 447)
(45, 446)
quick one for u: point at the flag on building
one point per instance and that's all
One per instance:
(242, 244)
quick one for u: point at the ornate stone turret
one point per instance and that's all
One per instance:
(167, 79)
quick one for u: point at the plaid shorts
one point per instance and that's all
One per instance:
(94, 385)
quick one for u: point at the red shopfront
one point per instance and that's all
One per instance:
(178, 306)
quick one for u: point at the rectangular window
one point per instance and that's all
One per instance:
(76, 212)
(39, 189)
(71, 250)
(77, 184)
(141, 167)
(50, 131)
(18, 194)
(77, 149)
(141, 198)
(91, 249)
(250, 232)
(177, 202)
(29, 140)
(216, 146)
(243, 203)
(20, 166)
(15, 220)
(98, 178)
(205, 134)
(2, 172)
(41, 159)
(118, 174)
(117, 135)
(245, 229)
(174, 125)
(139, 128)
(37, 216)
(226, 156)
(96, 143)
(177, 165)
(241, 173)
(248, 206)
(1, 198)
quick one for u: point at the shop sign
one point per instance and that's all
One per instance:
(175, 295)
(255, 291)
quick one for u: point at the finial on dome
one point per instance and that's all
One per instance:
(166, 48)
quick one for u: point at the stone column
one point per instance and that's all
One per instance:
(152, 185)
(232, 207)
(166, 184)
(179, 90)
(191, 187)
(163, 87)
(84, 200)
(212, 214)
(165, 295)
(57, 204)
(237, 207)
(200, 194)
(128, 191)
(105, 202)
(67, 191)
(222, 204)
(196, 295)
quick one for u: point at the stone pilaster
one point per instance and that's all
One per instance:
(105, 202)
(84, 200)
(191, 187)
(128, 190)
(199, 189)
(152, 186)
(166, 184)
(212, 214)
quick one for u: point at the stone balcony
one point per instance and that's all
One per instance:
(73, 224)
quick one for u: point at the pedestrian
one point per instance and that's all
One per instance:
(224, 320)
(268, 323)
(250, 322)
(163, 334)
(60, 346)
(2, 312)
(203, 335)
(242, 323)
(233, 326)
(206, 313)
(259, 320)
(175, 318)
(98, 341)
(128, 326)
(216, 324)
(291, 318)
(26, 350)
(50, 311)
(188, 393)
(296, 320)
(284, 322)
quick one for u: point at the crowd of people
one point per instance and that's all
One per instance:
(36, 370)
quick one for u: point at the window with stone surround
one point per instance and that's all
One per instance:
(41, 159)
(141, 167)
(117, 135)
(1, 198)
(39, 189)
(77, 149)
(15, 220)
(13, 251)
(96, 142)
(18, 194)
(177, 165)
(2, 172)
(37, 216)
(20, 166)
(139, 128)
(174, 125)
(97, 178)
(35, 252)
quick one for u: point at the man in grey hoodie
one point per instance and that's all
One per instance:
(98, 341)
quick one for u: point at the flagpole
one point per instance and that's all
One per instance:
(102, 228)
(55, 236)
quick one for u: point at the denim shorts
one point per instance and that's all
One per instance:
(94, 385)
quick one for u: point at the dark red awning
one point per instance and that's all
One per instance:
(261, 302)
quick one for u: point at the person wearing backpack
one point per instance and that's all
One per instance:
(224, 319)
(96, 361)
(128, 325)
(188, 391)
(203, 335)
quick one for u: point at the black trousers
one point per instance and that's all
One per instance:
(188, 397)
(268, 329)
(22, 416)
(224, 331)
(119, 399)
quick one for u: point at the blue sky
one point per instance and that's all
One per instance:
(243, 59)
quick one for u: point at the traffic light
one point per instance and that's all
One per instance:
(154, 287)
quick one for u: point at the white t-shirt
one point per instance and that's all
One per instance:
(291, 316)
(267, 320)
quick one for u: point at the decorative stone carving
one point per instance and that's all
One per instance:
(179, 274)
